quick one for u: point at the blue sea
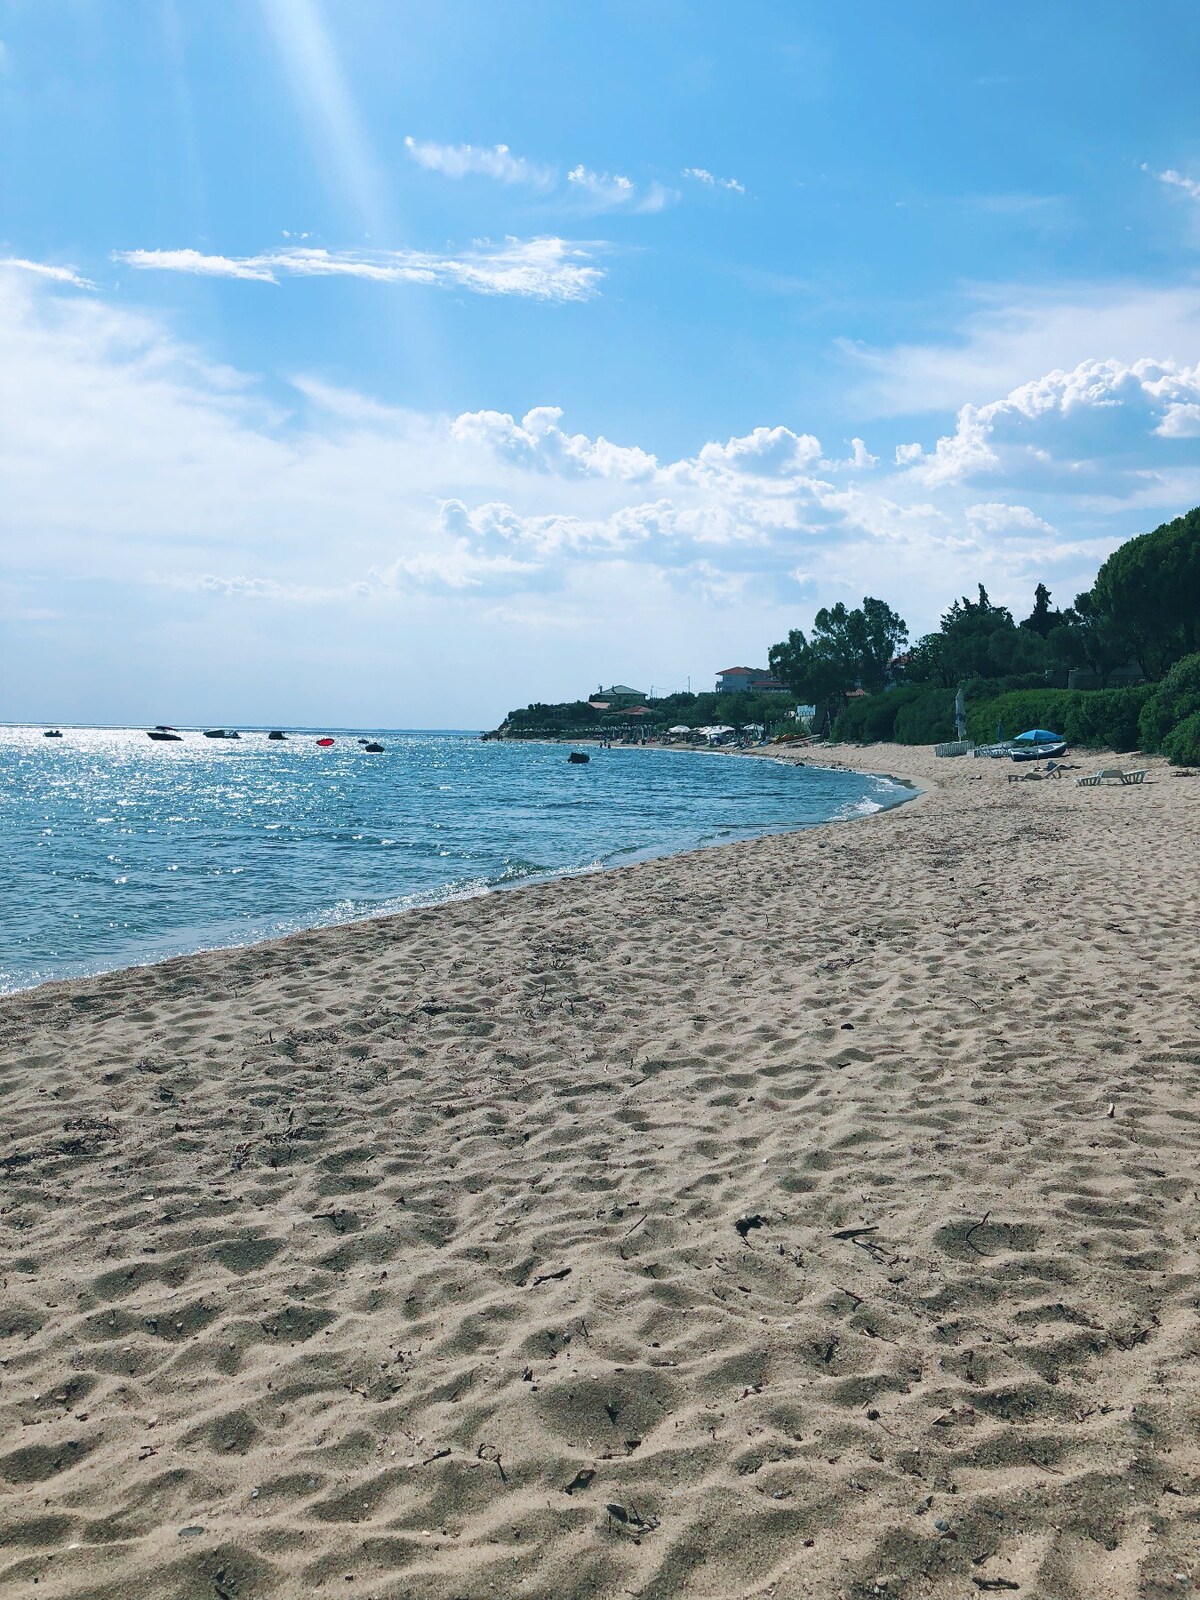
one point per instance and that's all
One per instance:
(119, 850)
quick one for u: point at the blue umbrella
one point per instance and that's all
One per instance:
(1038, 736)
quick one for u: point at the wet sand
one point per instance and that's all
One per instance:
(814, 1216)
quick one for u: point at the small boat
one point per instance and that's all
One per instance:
(1038, 752)
(52, 733)
(577, 758)
(372, 747)
(324, 743)
(220, 733)
(275, 734)
(164, 736)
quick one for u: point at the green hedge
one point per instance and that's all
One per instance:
(928, 719)
(1104, 719)
(1175, 699)
(1182, 744)
(914, 713)
(1101, 719)
(1107, 719)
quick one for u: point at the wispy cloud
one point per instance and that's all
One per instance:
(597, 191)
(606, 191)
(468, 160)
(45, 270)
(538, 269)
(711, 181)
(1177, 180)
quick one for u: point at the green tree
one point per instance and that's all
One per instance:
(1147, 594)
(848, 649)
(1041, 620)
(978, 639)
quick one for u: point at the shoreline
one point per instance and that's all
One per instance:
(446, 898)
(823, 1203)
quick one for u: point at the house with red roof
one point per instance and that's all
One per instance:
(732, 680)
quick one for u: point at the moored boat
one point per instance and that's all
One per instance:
(1039, 752)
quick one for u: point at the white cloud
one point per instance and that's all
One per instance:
(538, 443)
(860, 459)
(1181, 420)
(1080, 423)
(456, 568)
(702, 175)
(995, 516)
(600, 186)
(43, 269)
(256, 269)
(1011, 331)
(605, 191)
(765, 452)
(1178, 180)
(267, 589)
(128, 459)
(464, 160)
(541, 269)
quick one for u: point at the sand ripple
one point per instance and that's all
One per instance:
(747, 1223)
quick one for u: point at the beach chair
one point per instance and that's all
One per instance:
(1117, 774)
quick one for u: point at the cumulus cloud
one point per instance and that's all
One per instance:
(1181, 420)
(130, 459)
(1012, 332)
(43, 269)
(764, 452)
(467, 160)
(1083, 423)
(540, 269)
(702, 175)
(538, 443)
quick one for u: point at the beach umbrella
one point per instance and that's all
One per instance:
(680, 727)
(1038, 736)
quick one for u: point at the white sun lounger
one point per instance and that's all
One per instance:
(1117, 774)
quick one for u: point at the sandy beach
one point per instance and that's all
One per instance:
(815, 1216)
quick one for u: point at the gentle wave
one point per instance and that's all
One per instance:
(122, 850)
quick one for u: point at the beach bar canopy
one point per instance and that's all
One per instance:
(1039, 736)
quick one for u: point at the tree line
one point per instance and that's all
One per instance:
(1143, 609)
(1139, 623)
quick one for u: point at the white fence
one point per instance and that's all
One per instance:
(959, 747)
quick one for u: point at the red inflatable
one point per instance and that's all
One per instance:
(324, 743)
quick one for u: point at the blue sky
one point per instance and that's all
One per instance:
(384, 364)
